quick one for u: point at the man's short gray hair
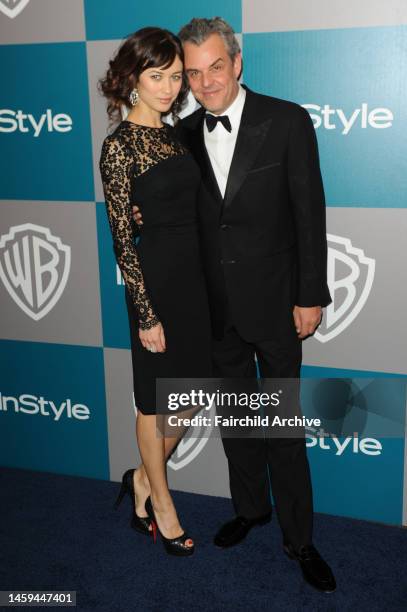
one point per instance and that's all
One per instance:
(198, 30)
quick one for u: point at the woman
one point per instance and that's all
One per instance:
(142, 163)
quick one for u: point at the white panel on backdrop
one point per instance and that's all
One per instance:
(33, 280)
(339, 316)
(368, 283)
(98, 55)
(12, 8)
(266, 16)
(30, 21)
(49, 272)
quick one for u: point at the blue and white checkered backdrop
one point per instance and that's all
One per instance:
(66, 400)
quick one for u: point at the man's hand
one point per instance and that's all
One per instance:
(306, 320)
(137, 215)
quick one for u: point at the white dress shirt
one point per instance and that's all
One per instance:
(220, 143)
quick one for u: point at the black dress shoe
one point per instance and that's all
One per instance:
(236, 530)
(314, 569)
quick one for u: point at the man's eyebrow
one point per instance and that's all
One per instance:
(213, 63)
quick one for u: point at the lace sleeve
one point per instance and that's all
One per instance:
(115, 166)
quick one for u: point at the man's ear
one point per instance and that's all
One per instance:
(237, 64)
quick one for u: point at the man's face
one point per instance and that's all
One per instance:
(212, 74)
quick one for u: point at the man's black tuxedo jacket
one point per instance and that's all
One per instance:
(264, 243)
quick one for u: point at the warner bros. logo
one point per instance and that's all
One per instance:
(34, 268)
(12, 8)
(189, 447)
(350, 279)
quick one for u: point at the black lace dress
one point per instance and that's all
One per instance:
(163, 275)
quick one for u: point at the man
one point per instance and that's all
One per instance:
(264, 242)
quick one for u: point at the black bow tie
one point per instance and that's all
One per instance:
(212, 120)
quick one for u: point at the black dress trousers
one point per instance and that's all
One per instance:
(254, 463)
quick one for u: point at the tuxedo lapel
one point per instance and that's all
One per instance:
(251, 135)
(209, 175)
(202, 158)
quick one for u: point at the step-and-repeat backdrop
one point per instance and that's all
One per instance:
(66, 402)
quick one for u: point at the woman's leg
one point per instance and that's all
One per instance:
(141, 482)
(154, 452)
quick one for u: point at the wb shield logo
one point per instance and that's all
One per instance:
(350, 279)
(34, 268)
(12, 8)
(189, 447)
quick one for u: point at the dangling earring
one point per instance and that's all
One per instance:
(134, 97)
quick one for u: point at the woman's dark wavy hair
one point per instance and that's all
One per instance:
(146, 48)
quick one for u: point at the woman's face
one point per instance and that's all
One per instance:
(159, 87)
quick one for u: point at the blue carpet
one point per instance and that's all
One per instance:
(61, 533)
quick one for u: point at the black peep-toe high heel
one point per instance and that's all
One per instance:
(139, 523)
(173, 546)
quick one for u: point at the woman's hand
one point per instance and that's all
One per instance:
(137, 215)
(153, 339)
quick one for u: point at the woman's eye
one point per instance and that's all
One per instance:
(156, 77)
(176, 77)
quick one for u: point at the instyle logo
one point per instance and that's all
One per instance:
(12, 8)
(350, 444)
(26, 123)
(362, 117)
(32, 404)
(350, 280)
(34, 268)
